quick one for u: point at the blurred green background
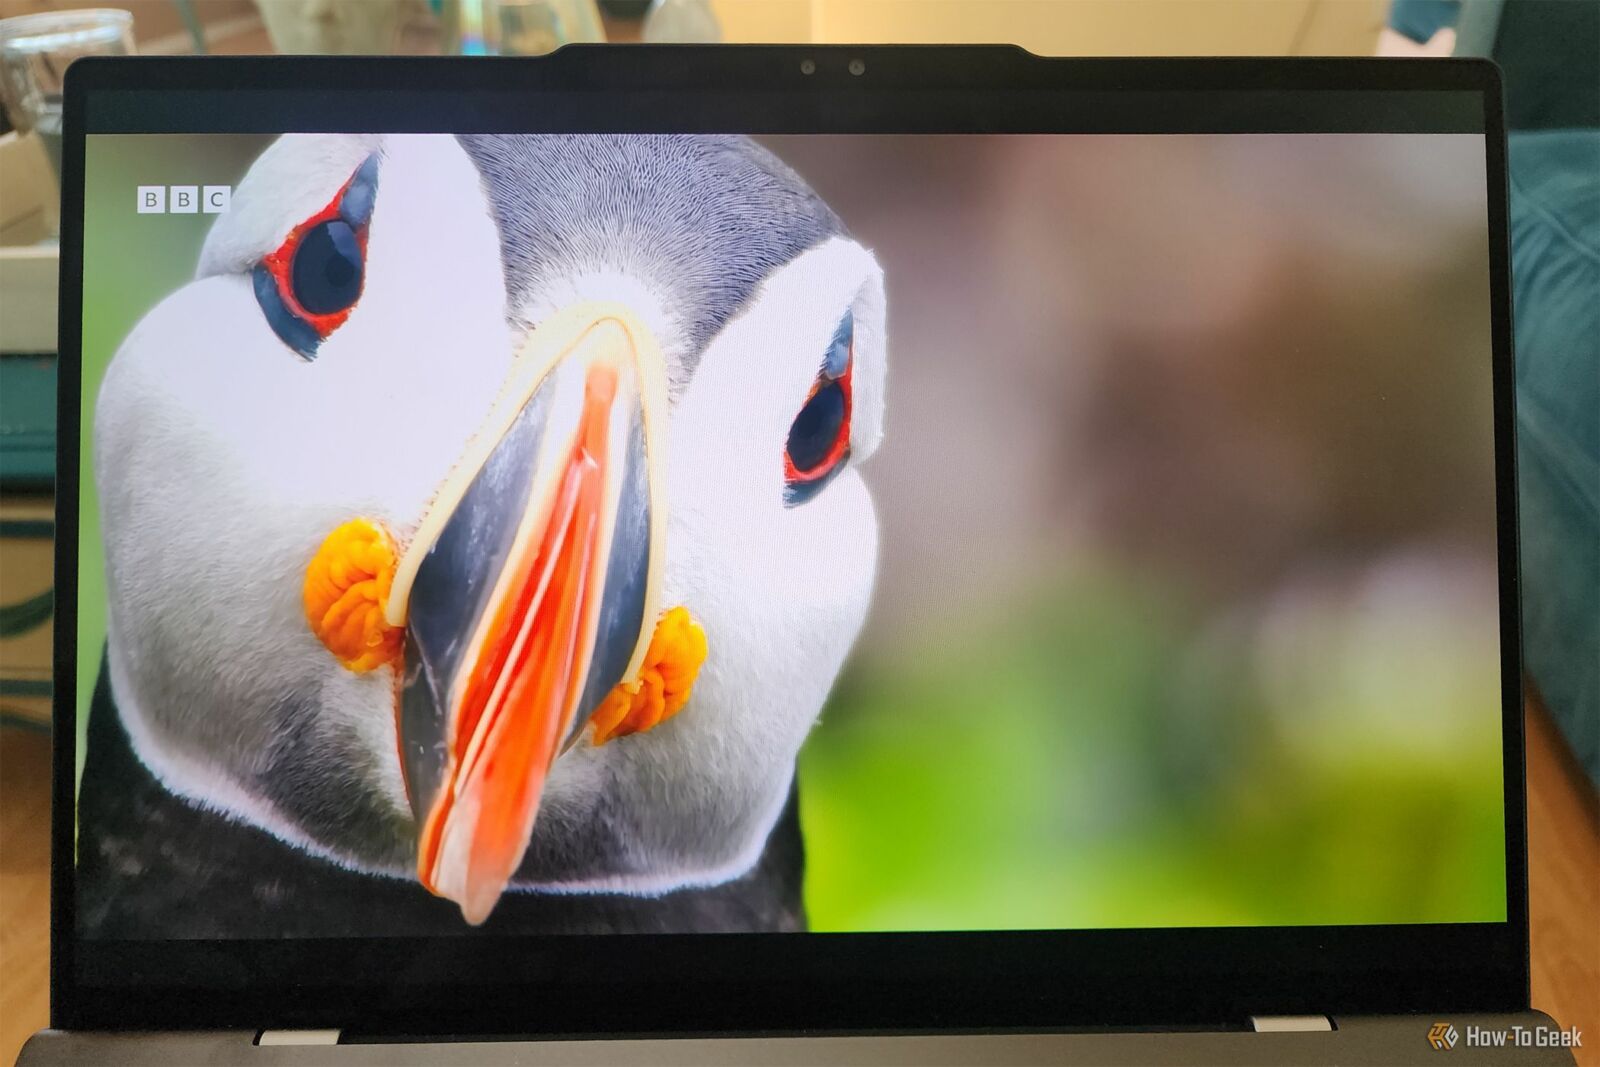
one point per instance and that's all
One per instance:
(1079, 766)
(1186, 610)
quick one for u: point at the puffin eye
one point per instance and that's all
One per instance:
(816, 429)
(309, 285)
(326, 273)
(819, 438)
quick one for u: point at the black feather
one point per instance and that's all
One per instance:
(151, 865)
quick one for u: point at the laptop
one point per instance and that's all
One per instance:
(787, 555)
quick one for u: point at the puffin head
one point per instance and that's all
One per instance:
(486, 511)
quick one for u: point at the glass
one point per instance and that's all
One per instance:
(520, 27)
(35, 51)
(682, 22)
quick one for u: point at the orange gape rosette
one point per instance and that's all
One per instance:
(677, 650)
(346, 591)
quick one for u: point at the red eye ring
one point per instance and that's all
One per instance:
(840, 445)
(280, 263)
(819, 438)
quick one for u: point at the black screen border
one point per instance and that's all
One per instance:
(696, 984)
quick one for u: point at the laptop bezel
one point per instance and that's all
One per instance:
(686, 983)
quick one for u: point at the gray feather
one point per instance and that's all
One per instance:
(699, 220)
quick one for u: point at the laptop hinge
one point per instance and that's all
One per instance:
(1289, 1024)
(298, 1037)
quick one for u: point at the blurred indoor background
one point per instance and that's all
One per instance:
(1050, 27)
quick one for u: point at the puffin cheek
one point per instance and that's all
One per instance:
(845, 547)
(366, 705)
(825, 550)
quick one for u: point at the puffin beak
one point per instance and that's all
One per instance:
(529, 592)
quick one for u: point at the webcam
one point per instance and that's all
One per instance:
(857, 67)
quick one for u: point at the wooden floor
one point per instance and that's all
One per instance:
(1564, 886)
(24, 886)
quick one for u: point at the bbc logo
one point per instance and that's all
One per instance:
(184, 199)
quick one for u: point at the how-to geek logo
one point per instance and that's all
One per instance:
(184, 199)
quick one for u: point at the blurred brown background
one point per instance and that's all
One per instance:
(1225, 357)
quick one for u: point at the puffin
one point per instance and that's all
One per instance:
(484, 533)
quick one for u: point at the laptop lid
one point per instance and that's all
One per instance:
(781, 538)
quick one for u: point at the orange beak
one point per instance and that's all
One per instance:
(528, 594)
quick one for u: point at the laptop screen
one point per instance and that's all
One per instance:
(843, 533)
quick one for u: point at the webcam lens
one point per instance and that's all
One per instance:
(857, 67)
(808, 66)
